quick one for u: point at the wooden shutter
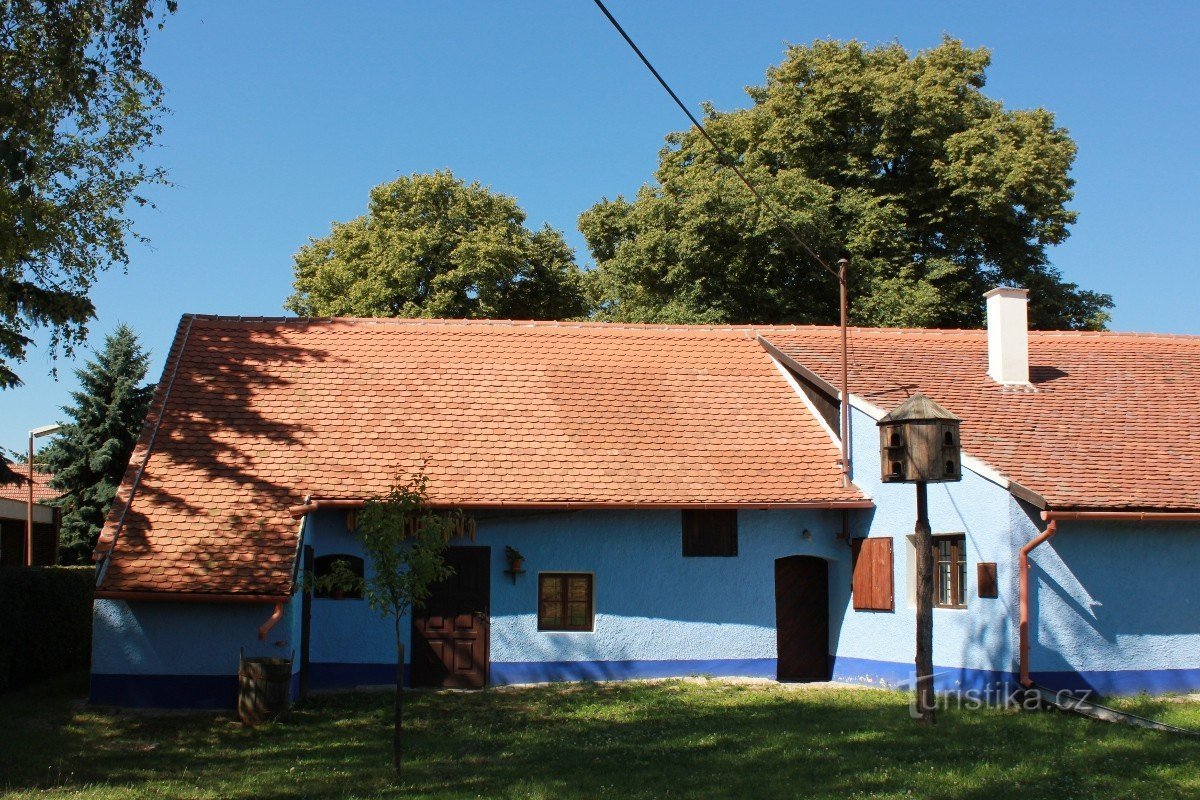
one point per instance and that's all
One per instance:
(988, 584)
(873, 585)
(710, 533)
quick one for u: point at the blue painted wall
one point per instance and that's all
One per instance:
(969, 645)
(657, 613)
(1116, 608)
(178, 655)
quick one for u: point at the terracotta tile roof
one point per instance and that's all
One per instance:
(20, 491)
(1111, 422)
(260, 414)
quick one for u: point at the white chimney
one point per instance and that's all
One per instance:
(1008, 335)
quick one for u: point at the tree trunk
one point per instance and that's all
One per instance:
(925, 702)
(397, 748)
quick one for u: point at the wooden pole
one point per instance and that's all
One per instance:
(924, 708)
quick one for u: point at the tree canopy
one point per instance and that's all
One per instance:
(89, 455)
(435, 246)
(76, 109)
(901, 163)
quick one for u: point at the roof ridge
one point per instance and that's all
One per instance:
(500, 323)
(775, 328)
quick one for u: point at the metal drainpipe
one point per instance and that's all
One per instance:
(265, 628)
(1023, 628)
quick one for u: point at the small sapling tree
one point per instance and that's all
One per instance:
(404, 541)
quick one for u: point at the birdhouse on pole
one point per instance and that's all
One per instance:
(918, 443)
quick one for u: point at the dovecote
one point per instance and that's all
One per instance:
(918, 442)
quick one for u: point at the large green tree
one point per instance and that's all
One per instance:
(89, 455)
(435, 246)
(901, 163)
(76, 109)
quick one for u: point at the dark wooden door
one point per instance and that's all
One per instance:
(802, 618)
(450, 633)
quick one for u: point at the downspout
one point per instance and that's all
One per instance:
(265, 628)
(1023, 647)
(277, 614)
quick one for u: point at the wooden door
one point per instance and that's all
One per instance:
(450, 633)
(802, 618)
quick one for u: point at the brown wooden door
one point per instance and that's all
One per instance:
(450, 633)
(802, 618)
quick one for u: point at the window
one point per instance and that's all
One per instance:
(710, 533)
(950, 571)
(565, 601)
(324, 565)
(872, 584)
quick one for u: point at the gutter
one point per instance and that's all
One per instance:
(1053, 518)
(571, 505)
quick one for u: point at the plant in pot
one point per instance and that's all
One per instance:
(515, 559)
(341, 581)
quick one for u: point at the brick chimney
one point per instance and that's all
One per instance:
(1008, 335)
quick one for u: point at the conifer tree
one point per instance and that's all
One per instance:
(88, 457)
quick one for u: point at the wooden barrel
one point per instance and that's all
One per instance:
(264, 689)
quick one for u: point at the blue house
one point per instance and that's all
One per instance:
(679, 498)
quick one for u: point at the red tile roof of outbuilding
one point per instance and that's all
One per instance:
(20, 489)
(252, 416)
(1111, 422)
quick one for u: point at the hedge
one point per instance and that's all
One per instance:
(45, 622)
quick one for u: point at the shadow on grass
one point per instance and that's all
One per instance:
(619, 740)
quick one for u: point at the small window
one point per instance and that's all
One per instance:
(324, 565)
(872, 585)
(710, 534)
(565, 601)
(950, 571)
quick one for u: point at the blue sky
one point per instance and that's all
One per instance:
(285, 114)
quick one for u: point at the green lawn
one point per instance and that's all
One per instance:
(673, 739)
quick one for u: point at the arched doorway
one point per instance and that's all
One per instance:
(802, 618)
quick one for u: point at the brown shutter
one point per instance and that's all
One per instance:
(710, 533)
(873, 585)
(988, 585)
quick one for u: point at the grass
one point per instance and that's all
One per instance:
(634, 740)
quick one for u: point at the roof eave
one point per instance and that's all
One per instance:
(317, 503)
(191, 597)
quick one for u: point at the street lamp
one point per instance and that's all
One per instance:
(45, 430)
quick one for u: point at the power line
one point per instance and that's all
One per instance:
(840, 273)
(721, 153)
